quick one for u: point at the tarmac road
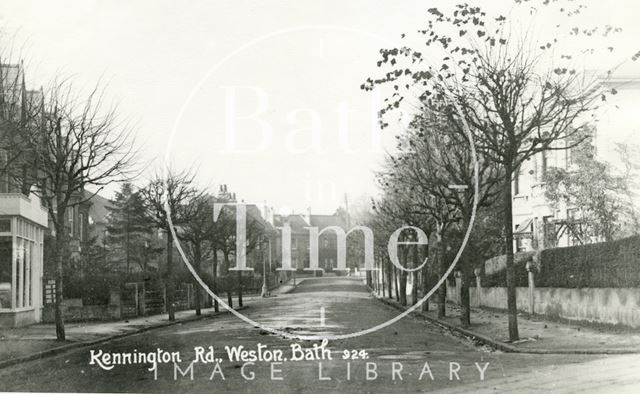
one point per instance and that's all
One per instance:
(409, 356)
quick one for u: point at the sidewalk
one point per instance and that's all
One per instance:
(39, 340)
(536, 334)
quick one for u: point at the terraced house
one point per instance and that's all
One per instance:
(25, 286)
(23, 219)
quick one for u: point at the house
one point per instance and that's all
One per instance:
(327, 241)
(299, 239)
(23, 219)
(98, 218)
(538, 225)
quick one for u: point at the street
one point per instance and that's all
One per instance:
(408, 356)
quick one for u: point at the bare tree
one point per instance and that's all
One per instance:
(170, 191)
(197, 232)
(77, 143)
(519, 95)
(438, 164)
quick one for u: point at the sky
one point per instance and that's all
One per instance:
(261, 96)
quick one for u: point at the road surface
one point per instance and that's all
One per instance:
(408, 356)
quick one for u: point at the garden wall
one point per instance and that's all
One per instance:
(612, 306)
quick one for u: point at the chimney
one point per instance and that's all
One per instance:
(308, 216)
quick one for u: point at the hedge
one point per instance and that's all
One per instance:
(608, 264)
(499, 278)
(599, 265)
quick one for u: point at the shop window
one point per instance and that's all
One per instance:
(19, 270)
(5, 225)
(6, 251)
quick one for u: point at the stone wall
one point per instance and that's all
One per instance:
(83, 313)
(611, 306)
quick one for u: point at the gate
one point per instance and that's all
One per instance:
(154, 301)
(130, 300)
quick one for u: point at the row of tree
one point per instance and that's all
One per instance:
(60, 144)
(136, 216)
(484, 97)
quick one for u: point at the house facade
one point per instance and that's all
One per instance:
(300, 248)
(23, 219)
(537, 224)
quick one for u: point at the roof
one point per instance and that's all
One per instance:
(254, 212)
(11, 76)
(322, 221)
(296, 222)
(98, 211)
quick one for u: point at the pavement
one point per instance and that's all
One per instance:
(398, 354)
(537, 335)
(39, 340)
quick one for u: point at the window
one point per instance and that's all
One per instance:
(70, 215)
(81, 226)
(572, 214)
(6, 259)
(5, 225)
(543, 171)
(516, 183)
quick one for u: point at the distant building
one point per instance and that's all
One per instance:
(98, 215)
(327, 242)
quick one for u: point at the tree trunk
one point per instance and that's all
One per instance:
(198, 261)
(395, 280)
(403, 278)
(127, 236)
(508, 228)
(425, 286)
(442, 291)
(382, 284)
(60, 248)
(226, 267)
(414, 287)
(466, 268)
(465, 312)
(240, 288)
(214, 274)
(389, 278)
(171, 286)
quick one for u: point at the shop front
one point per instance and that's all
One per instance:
(22, 224)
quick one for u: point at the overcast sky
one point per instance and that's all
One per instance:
(205, 67)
